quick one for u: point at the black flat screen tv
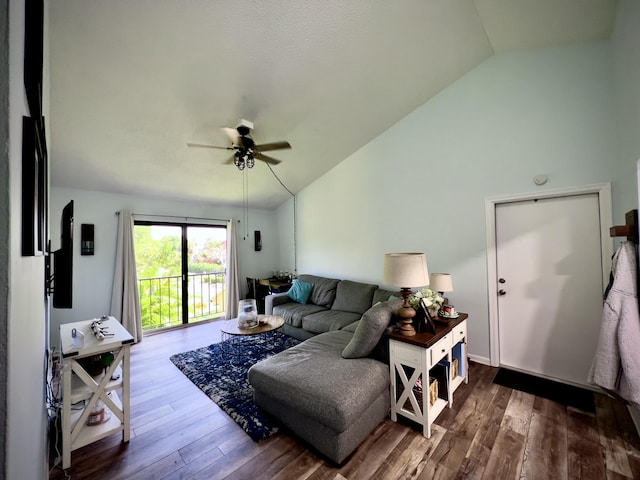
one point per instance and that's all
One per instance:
(63, 261)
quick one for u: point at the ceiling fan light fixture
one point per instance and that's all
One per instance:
(244, 158)
(249, 161)
(238, 161)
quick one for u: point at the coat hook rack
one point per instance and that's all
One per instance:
(630, 229)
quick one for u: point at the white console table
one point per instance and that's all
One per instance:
(81, 389)
(414, 358)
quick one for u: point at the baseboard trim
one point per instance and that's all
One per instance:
(479, 359)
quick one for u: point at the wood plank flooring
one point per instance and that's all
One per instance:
(492, 432)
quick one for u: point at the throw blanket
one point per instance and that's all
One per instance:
(616, 366)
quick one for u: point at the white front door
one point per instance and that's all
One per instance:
(550, 285)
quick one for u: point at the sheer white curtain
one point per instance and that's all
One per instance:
(231, 284)
(125, 298)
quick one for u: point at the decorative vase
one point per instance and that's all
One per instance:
(247, 313)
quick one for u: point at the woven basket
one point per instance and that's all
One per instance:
(433, 395)
(433, 391)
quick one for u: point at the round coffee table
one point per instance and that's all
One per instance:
(237, 343)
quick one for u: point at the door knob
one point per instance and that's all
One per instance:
(502, 280)
(502, 292)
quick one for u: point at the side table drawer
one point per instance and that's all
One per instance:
(406, 354)
(460, 332)
(440, 349)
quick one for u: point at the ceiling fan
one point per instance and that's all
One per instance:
(246, 152)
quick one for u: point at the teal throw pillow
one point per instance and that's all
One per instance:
(300, 291)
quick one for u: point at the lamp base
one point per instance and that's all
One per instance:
(406, 313)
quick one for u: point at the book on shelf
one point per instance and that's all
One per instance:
(459, 351)
(441, 372)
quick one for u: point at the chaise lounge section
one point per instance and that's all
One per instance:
(330, 402)
(332, 389)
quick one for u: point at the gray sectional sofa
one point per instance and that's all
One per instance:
(332, 389)
(332, 305)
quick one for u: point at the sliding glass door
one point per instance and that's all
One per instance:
(181, 272)
(206, 271)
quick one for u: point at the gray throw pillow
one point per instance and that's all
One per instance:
(382, 295)
(370, 328)
(353, 296)
(324, 289)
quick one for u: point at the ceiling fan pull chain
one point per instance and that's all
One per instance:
(245, 201)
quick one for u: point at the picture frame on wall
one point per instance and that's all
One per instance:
(34, 188)
(35, 173)
(29, 187)
(33, 55)
(43, 186)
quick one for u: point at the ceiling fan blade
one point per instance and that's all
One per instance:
(265, 147)
(201, 145)
(229, 160)
(265, 158)
(233, 134)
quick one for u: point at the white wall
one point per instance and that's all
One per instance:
(286, 230)
(626, 62)
(421, 185)
(626, 50)
(26, 451)
(93, 275)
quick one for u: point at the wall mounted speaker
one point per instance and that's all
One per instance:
(258, 240)
(86, 239)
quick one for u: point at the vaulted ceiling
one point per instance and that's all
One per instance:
(133, 81)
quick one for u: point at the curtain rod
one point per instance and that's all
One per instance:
(184, 218)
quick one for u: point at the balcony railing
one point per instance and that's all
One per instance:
(161, 299)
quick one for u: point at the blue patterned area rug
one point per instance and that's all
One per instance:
(222, 375)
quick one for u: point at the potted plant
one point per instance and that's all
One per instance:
(432, 300)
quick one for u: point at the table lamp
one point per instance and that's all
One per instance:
(406, 271)
(441, 283)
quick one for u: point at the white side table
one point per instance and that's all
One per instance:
(413, 358)
(80, 388)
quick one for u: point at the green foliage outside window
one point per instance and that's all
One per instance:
(159, 266)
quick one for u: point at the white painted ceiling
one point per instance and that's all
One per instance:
(132, 81)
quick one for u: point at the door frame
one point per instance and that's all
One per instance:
(183, 223)
(603, 190)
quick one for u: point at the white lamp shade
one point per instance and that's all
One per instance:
(405, 270)
(441, 282)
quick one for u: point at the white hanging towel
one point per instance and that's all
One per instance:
(616, 365)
